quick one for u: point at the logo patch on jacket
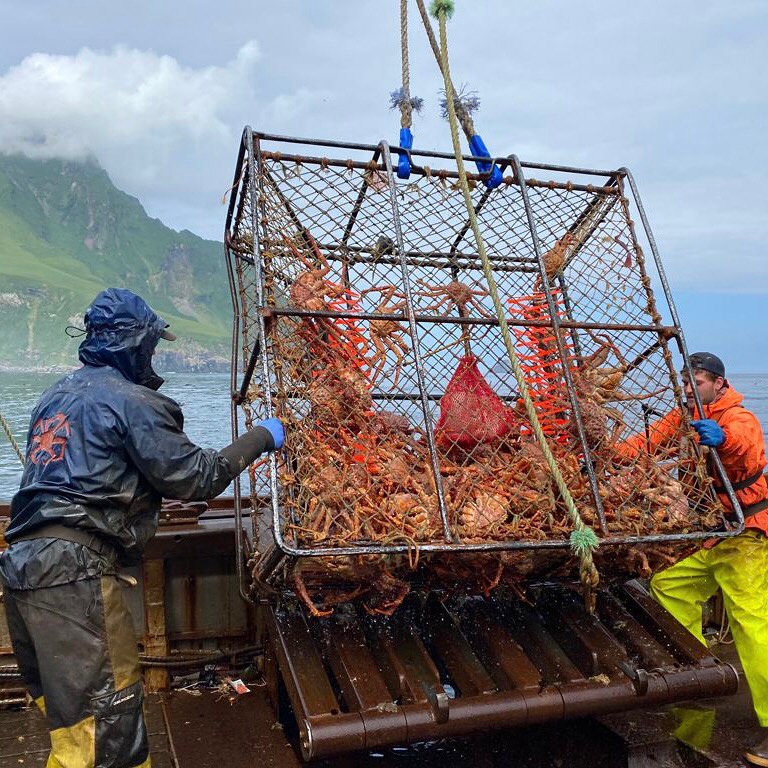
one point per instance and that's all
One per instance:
(49, 440)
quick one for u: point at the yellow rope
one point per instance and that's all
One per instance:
(450, 92)
(583, 539)
(11, 440)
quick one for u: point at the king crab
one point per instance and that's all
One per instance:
(597, 385)
(461, 296)
(312, 291)
(386, 335)
(555, 258)
(455, 293)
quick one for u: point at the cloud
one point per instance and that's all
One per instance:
(672, 91)
(115, 102)
(162, 130)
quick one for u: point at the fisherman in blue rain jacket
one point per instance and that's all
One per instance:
(103, 449)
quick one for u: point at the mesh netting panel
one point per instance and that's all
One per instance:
(380, 349)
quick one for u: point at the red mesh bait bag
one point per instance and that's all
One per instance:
(471, 413)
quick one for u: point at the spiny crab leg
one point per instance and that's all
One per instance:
(301, 591)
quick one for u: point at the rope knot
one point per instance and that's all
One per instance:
(584, 542)
(441, 6)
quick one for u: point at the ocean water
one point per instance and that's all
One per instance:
(204, 398)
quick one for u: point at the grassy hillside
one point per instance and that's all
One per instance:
(66, 232)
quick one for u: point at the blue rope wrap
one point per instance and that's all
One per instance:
(404, 160)
(479, 150)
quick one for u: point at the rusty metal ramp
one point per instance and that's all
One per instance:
(437, 670)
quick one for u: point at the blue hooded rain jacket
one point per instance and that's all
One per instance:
(104, 447)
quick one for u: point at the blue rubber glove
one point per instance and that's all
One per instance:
(275, 428)
(710, 432)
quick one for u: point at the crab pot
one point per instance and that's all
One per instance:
(364, 320)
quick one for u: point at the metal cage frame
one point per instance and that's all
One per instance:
(611, 182)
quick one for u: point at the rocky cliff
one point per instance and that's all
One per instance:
(66, 232)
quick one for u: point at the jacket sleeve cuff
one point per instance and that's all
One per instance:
(247, 448)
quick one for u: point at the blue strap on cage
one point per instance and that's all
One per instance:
(479, 150)
(404, 159)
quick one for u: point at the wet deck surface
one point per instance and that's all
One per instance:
(206, 731)
(209, 732)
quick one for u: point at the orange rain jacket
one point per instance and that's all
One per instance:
(742, 453)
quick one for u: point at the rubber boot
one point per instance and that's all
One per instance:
(758, 754)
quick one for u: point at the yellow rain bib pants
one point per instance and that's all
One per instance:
(739, 567)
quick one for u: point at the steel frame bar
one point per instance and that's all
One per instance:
(404, 396)
(556, 325)
(240, 188)
(426, 153)
(683, 346)
(668, 330)
(266, 373)
(416, 351)
(424, 256)
(472, 263)
(441, 174)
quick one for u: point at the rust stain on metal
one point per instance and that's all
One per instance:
(155, 638)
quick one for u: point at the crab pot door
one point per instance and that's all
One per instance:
(366, 324)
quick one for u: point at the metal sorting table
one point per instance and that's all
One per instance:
(357, 682)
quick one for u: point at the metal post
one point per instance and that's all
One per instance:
(681, 341)
(415, 341)
(559, 344)
(237, 502)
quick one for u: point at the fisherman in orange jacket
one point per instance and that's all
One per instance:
(739, 565)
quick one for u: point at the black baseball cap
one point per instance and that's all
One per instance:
(706, 361)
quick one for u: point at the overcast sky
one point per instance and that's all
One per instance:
(676, 90)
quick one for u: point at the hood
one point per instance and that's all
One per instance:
(730, 398)
(122, 332)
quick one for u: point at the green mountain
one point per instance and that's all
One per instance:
(66, 232)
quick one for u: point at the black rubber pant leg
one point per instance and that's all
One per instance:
(23, 649)
(88, 668)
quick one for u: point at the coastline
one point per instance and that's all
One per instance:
(178, 363)
(58, 369)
